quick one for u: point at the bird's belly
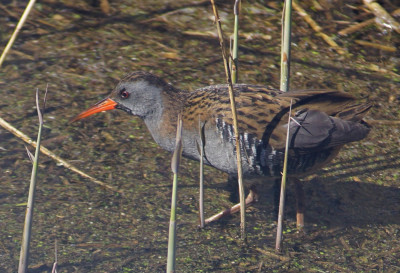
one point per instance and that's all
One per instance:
(220, 153)
(270, 161)
(260, 160)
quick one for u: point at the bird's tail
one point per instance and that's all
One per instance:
(354, 112)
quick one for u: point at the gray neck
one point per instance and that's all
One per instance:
(155, 122)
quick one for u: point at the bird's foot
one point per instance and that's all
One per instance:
(251, 198)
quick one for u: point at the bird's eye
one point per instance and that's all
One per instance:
(124, 94)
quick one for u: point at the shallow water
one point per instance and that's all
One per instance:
(352, 216)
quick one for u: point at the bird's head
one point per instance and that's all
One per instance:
(138, 93)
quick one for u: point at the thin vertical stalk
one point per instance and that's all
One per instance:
(54, 269)
(176, 158)
(235, 124)
(201, 185)
(16, 31)
(26, 237)
(235, 72)
(278, 245)
(284, 86)
(285, 46)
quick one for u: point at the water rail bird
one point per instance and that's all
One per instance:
(322, 122)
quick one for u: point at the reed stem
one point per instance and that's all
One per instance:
(235, 124)
(176, 158)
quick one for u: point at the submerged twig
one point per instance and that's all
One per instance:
(377, 46)
(356, 27)
(273, 255)
(382, 14)
(212, 34)
(317, 28)
(359, 26)
(235, 123)
(50, 154)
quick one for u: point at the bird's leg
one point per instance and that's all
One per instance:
(251, 198)
(299, 204)
(277, 195)
(233, 188)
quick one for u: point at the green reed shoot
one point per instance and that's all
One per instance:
(26, 237)
(176, 158)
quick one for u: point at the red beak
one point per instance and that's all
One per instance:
(103, 105)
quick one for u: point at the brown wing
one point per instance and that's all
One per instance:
(263, 113)
(256, 107)
(324, 119)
